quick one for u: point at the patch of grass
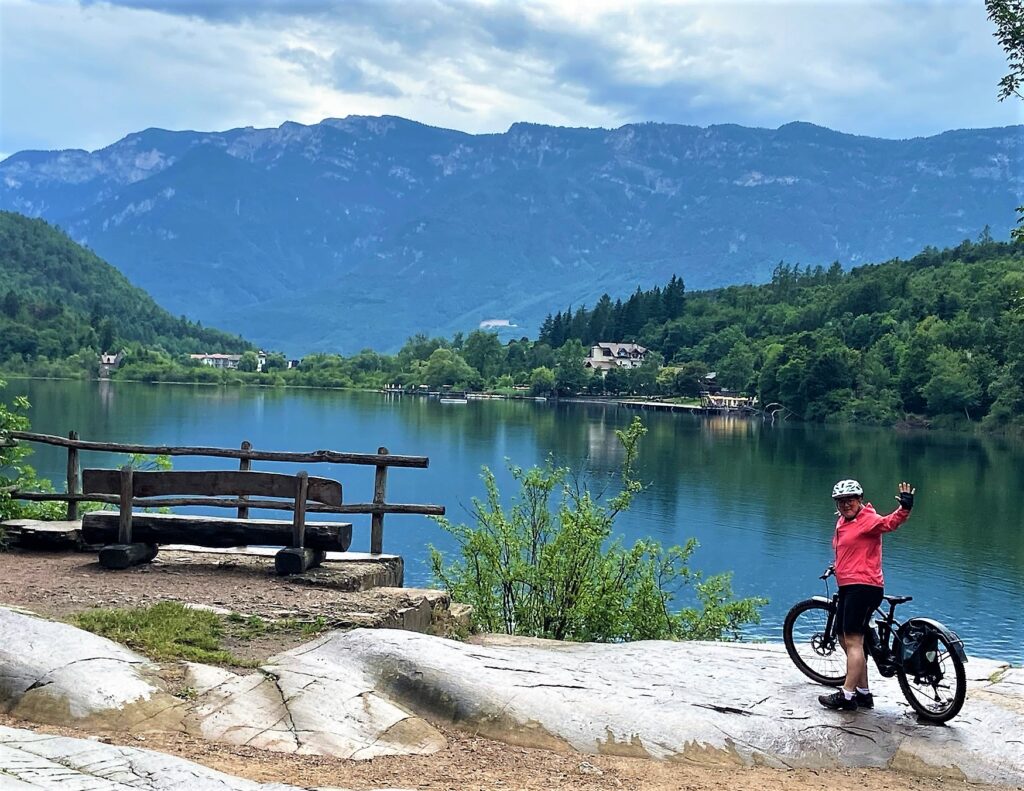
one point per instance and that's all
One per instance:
(248, 627)
(163, 632)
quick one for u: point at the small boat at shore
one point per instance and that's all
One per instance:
(453, 400)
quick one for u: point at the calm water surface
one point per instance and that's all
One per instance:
(756, 497)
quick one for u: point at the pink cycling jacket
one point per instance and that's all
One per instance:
(858, 545)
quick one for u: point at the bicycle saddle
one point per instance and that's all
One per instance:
(898, 599)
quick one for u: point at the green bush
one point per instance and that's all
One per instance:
(557, 572)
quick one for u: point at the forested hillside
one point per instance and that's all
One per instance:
(939, 335)
(61, 305)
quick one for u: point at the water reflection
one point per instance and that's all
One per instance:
(756, 496)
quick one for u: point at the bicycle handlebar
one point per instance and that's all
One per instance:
(831, 570)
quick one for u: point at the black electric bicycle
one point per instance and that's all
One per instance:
(926, 657)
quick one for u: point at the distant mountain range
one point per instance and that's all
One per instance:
(359, 232)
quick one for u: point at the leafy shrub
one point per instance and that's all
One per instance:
(557, 572)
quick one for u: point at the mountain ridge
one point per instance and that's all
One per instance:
(362, 230)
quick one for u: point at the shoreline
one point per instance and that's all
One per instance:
(972, 428)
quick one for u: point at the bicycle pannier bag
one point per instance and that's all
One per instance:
(918, 650)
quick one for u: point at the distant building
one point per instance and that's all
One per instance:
(110, 362)
(709, 383)
(727, 403)
(229, 361)
(493, 324)
(605, 356)
(218, 360)
(293, 364)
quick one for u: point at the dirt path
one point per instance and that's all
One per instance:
(59, 584)
(474, 764)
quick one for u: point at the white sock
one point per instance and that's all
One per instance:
(847, 694)
(863, 691)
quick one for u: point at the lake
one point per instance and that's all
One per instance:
(755, 495)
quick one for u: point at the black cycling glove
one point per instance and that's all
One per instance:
(906, 500)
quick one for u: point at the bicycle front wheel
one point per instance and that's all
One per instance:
(814, 649)
(937, 696)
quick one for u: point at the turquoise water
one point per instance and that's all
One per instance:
(756, 496)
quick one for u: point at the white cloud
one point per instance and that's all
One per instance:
(82, 75)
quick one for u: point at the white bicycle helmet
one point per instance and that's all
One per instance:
(847, 488)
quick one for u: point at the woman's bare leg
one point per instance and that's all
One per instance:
(856, 662)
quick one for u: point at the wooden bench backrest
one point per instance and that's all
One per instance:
(211, 483)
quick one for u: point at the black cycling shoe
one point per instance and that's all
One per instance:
(837, 700)
(865, 700)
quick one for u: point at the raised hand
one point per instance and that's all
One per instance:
(906, 495)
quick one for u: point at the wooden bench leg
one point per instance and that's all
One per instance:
(296, 560)
(122, 556)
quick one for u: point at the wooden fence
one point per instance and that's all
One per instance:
(246, 455)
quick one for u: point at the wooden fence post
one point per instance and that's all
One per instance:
(72, 477)
(244, 465)
(124, 532)
(299, 517)
(380, 482)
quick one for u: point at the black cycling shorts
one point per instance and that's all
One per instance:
(856, 603)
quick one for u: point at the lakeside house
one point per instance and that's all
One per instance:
(217, 360)
(605, 356)
(229, 361)
(110, 362)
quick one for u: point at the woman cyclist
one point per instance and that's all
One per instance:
(858, 567)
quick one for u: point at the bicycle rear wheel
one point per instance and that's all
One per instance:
(937, 696)
(815, 652)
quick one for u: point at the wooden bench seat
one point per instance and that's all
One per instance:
(131, 537)
(101, 527)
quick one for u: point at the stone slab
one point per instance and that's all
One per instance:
(707, 702)
(48, 536)
(53, 673)
(347, 571)
(32, 761)
(301, 702)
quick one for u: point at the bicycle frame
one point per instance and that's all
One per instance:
(878, 640)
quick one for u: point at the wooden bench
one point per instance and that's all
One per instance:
(130, 537)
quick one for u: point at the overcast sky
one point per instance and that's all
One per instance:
(84, 74)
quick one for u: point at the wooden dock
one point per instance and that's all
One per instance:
(664, 406)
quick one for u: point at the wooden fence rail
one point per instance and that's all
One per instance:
(314, 457)
(246, 454)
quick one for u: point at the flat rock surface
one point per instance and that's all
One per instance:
(732, 712)
(32, 761)
(301, 702)
(53, 673)
(707, 702)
